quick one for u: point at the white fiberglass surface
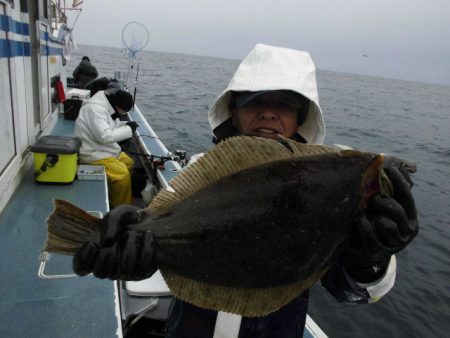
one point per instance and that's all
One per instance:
(7, 144)
(45, 105)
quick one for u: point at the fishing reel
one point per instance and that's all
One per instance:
(178, 156)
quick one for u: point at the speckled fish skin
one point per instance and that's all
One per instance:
(249, 226)
(270, 225)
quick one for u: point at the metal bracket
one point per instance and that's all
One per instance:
(149, 307)
(45, 256)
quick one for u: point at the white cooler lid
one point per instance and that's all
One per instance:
(153, 286)
(80, 94)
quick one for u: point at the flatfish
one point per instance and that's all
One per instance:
(249, 226)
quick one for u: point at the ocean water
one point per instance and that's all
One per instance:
(407, 119)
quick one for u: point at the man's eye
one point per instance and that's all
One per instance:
(286, 106)
(254, 104)
(258, 103)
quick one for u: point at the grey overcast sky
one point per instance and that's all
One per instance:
(404, 39)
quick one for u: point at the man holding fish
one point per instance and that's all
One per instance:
(272, 95)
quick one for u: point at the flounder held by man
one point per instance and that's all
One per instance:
(250, 225)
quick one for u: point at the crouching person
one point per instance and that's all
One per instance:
(99, 134)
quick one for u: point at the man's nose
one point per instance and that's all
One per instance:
(268, 113)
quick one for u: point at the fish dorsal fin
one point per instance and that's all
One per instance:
(228, 157)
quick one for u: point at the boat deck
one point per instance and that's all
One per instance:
(64, 307)
(34, 307)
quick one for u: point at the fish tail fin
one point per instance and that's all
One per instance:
(69, 227)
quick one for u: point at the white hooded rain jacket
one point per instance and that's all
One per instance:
(275, 68)
(98, 132)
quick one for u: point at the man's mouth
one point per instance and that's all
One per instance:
(266, 132)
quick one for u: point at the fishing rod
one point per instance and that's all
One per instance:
(158, 160)
(177, 155)
(128, 72)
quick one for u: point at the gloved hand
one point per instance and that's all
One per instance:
(387, 226)
(120, 253)
(133, 125)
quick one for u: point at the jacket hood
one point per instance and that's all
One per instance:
(100, 99)
(275, 68)
(88, 66)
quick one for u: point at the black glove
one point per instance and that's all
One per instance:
(120, 253)
(133, 125)
(387, 226)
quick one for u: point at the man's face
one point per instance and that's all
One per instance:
(269, 115)
(121, 111)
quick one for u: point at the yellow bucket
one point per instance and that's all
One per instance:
(56, 159)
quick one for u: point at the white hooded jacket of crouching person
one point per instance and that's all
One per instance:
(100, 134)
